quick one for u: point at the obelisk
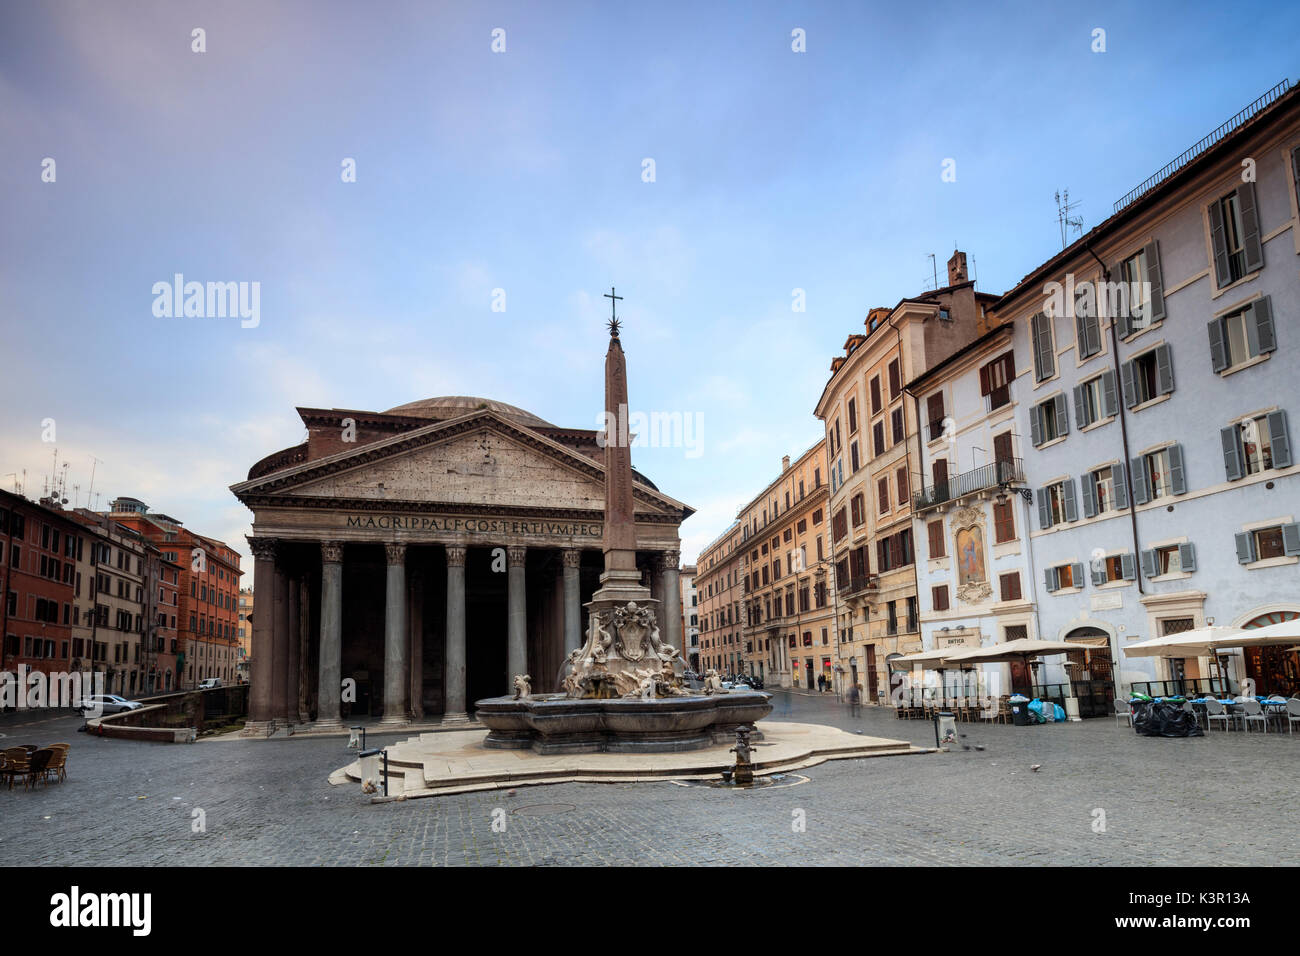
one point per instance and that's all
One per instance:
(621, 581)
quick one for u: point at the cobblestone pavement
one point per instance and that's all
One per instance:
(1224, 799)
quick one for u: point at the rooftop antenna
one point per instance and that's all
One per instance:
(1063, 217)
(934, 264)
(93, 462)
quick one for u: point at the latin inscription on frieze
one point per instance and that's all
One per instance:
(485, 526)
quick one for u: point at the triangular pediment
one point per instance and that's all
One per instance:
(480, 459)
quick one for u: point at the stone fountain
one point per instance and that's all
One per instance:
(623, 691)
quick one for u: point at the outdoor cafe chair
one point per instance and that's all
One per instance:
(17, 765)
(1214, 711)
(58, 764)
(1252, 712)
(1292, 714)
(1123, 712)
(40, 760)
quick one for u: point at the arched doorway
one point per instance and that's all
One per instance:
(1092, 671)
(1275, 670)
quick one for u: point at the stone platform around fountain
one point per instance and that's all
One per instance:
(457, 762)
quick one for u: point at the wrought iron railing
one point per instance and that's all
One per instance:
(1202, 145)
(968, 482)
(858, 585)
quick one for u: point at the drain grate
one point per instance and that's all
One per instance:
(543, 809)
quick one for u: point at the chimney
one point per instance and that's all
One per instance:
(957, 268)
(785, 463)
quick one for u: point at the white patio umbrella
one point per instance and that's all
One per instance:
(1199, 642)
(1272, 635)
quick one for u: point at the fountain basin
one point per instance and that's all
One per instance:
(553, 724)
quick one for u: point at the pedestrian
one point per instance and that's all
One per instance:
(821, 683)
(855, 700)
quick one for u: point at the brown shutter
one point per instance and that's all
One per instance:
(986, 379)
(935, 529)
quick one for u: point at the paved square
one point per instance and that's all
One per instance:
(1223, 799)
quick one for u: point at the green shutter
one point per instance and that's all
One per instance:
(1177, 473)
(1089, 495)
(1218, 348)
(1259, 327)
(1109, 400)
(1157, 305)
(1250, 227)
(1245, 547)
(1233, 465)
(1141, 482)
(1222, 271)
(1119, 477)
(1071, 506)
(1291, 539)
(1080, 408)
(1187, 557)
(1035, 430)
(1164, 370)
(1062, 416)
(1149, 566)
(1076, 572)
(1128, 567)
(1278, 439)
(1122, 320)
(1129, 372)
(1049, 579)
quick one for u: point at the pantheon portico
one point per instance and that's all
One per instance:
(427, 554)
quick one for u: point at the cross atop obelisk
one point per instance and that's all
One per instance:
(613, 313)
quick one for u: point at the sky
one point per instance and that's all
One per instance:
(516, 177)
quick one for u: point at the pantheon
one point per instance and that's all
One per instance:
(410, 562)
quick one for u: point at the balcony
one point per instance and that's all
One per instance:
(860, 586)
(968, 483)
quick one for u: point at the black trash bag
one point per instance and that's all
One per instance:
(1164, 719)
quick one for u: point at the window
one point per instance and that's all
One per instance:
(1240, 336)
(1256, 445)
(1140, 301)
(1148, 376)
(896, 420)
(935, 414)
(1004, 523)
(817, 478)
(882, 495)
(1170, 559)
(1102, 491)
(1048, 420)
(1056, 504)
(853, 415)
(857, 506)
(878, 437)
(817, 517)
(900, 484)
(995, 380)
(1009, 585)
(939, 597)
(1044, 350)
(1117, 567)
(839, 525)
(935, 531)
(853, 457)
(1064, 576)
(1264, 543)
(875, 395)
(1095, 400)
(1234, 233)
(895, 380)
(1158, 474)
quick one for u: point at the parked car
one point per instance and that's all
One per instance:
(209, 683)
(106, 704)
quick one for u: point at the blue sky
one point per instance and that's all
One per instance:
(522, 171)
